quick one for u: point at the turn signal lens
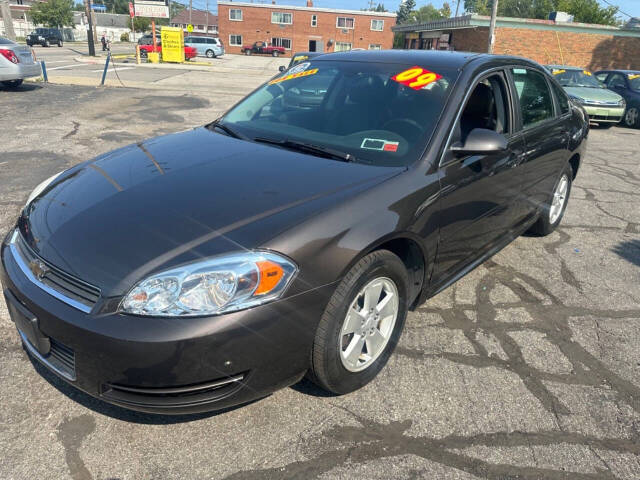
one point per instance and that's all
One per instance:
(214, 286)
(270, 275)
(9, 55)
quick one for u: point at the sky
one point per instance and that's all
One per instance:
(631, 7)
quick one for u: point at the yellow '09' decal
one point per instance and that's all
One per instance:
(306, 73)
(416, 77)
(587, 72)
(633, 76)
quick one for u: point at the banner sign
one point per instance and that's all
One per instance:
(172, 44)
(147, 8)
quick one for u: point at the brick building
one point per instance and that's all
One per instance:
(545, 41)
(303, 28)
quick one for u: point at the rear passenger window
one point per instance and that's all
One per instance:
(536, 104)
(563, 101)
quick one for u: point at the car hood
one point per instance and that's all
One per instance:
(178, 198)
(594, 94)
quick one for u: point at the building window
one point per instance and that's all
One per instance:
(282, 18)
(200, 27)
(281, 42)
(377, 25)
(235, 40)
(235, 14)
(345, 22)
(342, 47)
(375, 46)
(314, 20)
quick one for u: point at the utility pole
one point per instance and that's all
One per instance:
(457, 7)
(5, 11)
(92, 48)
(492, 26)
(190, 11)
(206, 27)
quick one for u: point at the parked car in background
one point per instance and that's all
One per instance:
(189, 52)
(262, 48)
(627, 84)
(604, 106)
(17, 62)
(299, 58)
(147, 39)
(45, 37)
(278, 241)
(210, 47)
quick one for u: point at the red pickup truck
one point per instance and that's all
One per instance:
(263, 48)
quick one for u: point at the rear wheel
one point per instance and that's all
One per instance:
(632, 117)
(361, 325)
(12, 83)
(247, 52)
(553, 210)
(275, 53)
(143, 54)
(210, 54)
(46, 43)
(59, 43)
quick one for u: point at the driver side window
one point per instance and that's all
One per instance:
(487, 107)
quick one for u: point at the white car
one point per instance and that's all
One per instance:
(16, 63)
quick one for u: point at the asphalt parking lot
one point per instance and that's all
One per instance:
(528, 368)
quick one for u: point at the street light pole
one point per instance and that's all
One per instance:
(92, 48)
(492, 26)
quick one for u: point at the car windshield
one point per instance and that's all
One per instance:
(378, 113)
(634, 81)
(576, 78)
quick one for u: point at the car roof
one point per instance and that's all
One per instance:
(566, 67)
(619, 71)
(442, 58)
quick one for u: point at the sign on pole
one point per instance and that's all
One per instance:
(189, 28)
(172, 44)
(132, 12)
(150, 8)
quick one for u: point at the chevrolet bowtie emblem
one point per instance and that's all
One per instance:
(38, 268)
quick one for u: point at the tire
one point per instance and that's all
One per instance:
(143, 54)
(275, 53)
(59, 43)
(210, 54)
(632, 117)
(550, 219)
(605, 126)
(12, 83)
(247, 52)
(329, 368)
(46, 43)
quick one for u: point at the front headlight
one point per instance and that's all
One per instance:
(40, 188)
(622, 103)
(210, 287)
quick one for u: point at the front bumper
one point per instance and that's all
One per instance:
(171, 365)
(20, 71)
(604, 114)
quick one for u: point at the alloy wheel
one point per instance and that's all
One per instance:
(631, 117)
(559, 199)
(368, 324)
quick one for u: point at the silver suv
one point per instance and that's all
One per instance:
(210, 47)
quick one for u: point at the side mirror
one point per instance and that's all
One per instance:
(481, 140)
(282, 68)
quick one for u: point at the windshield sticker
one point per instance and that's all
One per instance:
(301, 67)
(291, 76)
(633, 76)
(558, 71)
(300, 58)
(379, 144)
(586, 72)
(416, 77)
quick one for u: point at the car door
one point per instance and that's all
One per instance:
(618, 83)
(545, 129)
(478, 191)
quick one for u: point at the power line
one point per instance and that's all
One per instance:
(617, 8)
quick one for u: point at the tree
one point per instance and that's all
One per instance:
(585, 11)
(53, 13)
(429, 13)
(141, 24)
(175, 9)
(445, 11)
(404, 11)
(117, 6)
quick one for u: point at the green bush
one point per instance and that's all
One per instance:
(124, 37)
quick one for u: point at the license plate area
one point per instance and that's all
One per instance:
(27, 323)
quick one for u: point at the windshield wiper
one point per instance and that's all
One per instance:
(308, 148)
(227, 130)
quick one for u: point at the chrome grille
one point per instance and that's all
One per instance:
(60, 284)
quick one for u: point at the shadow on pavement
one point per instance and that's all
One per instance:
(629, 250)
(25, 87)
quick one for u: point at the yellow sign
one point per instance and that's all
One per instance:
(633, 76)
(294, 75)
(189, 28)
(558, 71)
(172, 44)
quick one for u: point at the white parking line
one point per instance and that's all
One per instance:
(64, 66)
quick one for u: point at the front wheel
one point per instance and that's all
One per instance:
(275, 53)
(553, 211)
(361, 325)
(47, 44)
(632, 117)
(247, 52)
(143, 54)
(12, 83)
(59, 43)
